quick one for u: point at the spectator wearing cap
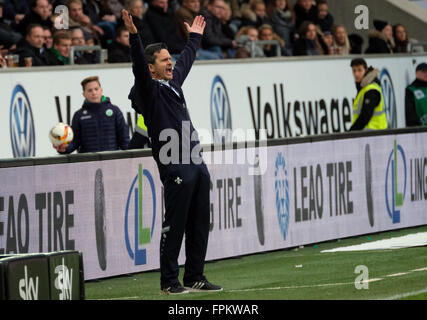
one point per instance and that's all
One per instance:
(324, 19)
(119, 50)
(403, 43)
(8, 37)
(305, 10)
(328, 40)
(40, 13)
(416, 98)
(31, 47)
(283, 22)
(381, 38)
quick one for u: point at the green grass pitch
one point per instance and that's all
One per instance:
(294, 274)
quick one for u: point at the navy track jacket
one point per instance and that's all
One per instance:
(160, 105)
(98, 127)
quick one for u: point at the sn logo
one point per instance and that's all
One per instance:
(64, 281)
(27, 289)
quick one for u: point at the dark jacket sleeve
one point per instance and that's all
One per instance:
(122, 130)
(410, 111)
(371, 100)
(144, 89)
(75, 144)
(185, 61)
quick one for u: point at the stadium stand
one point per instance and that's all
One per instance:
(100, 22)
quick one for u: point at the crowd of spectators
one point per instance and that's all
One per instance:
(29, 32)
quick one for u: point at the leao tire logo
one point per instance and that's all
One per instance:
(389, 98)
(21, 121)
(395, 182)
(142, 234)
(220, 112)
(281, 186)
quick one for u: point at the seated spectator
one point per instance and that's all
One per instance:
(40, 13)
(98, 125)
(283, 22)
(15, 10)
(60, 51)
(266, 32)
(324, 19)
(119, 50)
(309, 43)
(328, 41)
(77, 19)
(186, 13)
(101, 16)
(341, 43)
(416, 99)
(31, 47)
(137, 9)
(214, 38)
(228, 28)
(403, 43)
(305, 10)
(381, 38)
(82, 57)
(3, 62)
(188, 10)
(256, 14)
(245, 38)
(356, 43)
(114, 7)
(48, 38)
(8, 37)
(159, 21)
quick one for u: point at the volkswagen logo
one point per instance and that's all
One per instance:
(22, 135)
(389, 98)
(220, 112)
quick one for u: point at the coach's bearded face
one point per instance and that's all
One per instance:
(162, 67)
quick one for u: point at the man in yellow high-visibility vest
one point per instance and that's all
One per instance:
(140, 138)
(368, 107)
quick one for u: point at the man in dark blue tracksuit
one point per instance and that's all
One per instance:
(98, 125)
(158, 96)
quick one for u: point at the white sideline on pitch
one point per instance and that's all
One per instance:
(410, 240)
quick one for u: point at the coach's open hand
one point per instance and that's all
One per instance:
(198, 25)
(127, 18)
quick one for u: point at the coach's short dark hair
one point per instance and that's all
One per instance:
(359, 62)
(152, 50)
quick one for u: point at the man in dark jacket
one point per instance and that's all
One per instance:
(98, 125)
(214, 37)
(31, 47)
(305, 10)
(158, 96)
(416, 99)
(160, 22)
(41, 12)
(119, 50)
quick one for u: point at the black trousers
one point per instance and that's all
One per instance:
(186, 192)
